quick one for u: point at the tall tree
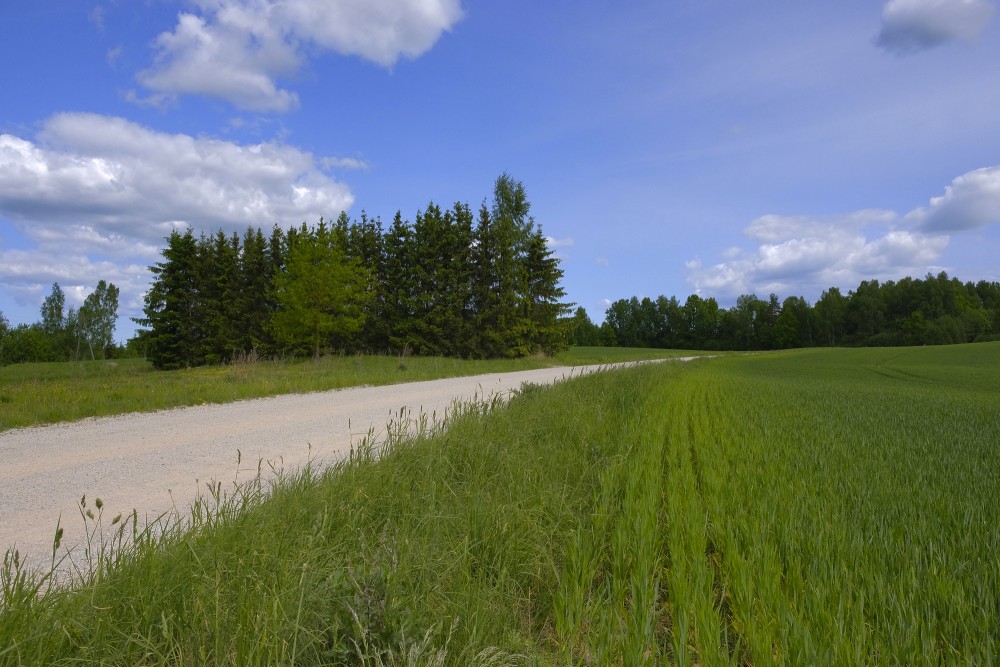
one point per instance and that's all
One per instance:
(366, 245)
(794, 325)
(53, 319)
(501, 240)
(442, 281)
(217, 277)
(97, 317)
(252, 298)
(702, 318)
(400, 283)
(581, 329)
(320, 294)
(170, 330)
(54, 324)
(4, 333)
(542, 299)
(831, 312)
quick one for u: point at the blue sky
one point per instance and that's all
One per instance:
(667, 147)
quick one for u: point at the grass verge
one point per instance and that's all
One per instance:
(33, 394)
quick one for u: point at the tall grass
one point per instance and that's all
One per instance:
(447, 546)
(825, 507)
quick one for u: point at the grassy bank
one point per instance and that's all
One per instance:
(811, 507)
(46, 393)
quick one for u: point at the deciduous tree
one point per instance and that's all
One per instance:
(320, 294)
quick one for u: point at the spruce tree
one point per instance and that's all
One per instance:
(252, 294)
(400, 283)
(366, 245)
(542, 304)
(501, 239)
(170, 332)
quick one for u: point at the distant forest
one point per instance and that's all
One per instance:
(451, 283)
(934, 311)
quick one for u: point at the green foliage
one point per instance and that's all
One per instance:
(320, 294)
(52, 311)
(432, 262)
(543, 307)
(26, 343)
(933, 311)
(172, 333)
(96, 319)
(445, 285)
(4, 334)
(64, 334)
(581, 330)
(516, 288)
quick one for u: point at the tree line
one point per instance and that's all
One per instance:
(65, 334)
(452, 282)
(932, 311)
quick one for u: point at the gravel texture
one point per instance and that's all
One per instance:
(159, 462)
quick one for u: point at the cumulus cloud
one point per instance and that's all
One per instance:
(27, 275)
(238, 49)
(972, 200)
(111, 190)
(803, 255)
(909, 26)
(554, 243)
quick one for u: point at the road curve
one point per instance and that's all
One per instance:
(156, 462)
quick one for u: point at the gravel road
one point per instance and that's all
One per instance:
(156, 462)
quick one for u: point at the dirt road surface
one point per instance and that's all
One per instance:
(159, 462)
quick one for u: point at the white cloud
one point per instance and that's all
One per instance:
(777, 227)
(602, 261)
(554, 243)
(28, 275)
(803, 256)
(97, 195)
(343, 163)
(237, 49)
(909, 26)
(237, 62)
(972, 200)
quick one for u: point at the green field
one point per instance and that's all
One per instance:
(814, 507)
(52, 392)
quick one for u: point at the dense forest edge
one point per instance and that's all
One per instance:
(455, 283)
(937, 310)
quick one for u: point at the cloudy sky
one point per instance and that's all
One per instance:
(667, 147)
